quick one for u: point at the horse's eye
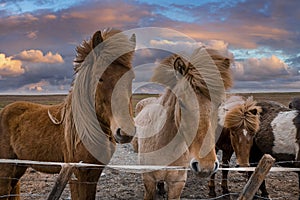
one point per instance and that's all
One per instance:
(100, 80)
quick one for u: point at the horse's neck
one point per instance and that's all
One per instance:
(168, 99)
(170, 103)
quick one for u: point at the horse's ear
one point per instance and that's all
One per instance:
(226, 62)
(97, 39)
(253, 111)
(180, 66)
(133, 39)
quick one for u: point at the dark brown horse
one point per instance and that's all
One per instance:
(238, 124)
(295, 103)
(83, 127)
(279, 136)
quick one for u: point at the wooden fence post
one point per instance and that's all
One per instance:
(61, 182)
(257, 177)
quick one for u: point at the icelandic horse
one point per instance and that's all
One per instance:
(177, 129)
(238, 124)
(84, 127)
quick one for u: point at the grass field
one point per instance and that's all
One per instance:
(283, 98)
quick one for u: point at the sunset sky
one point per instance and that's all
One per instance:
(38, 38)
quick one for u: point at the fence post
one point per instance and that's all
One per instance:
(257, 177)
(61, 182)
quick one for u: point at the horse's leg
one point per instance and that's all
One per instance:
(15, 183)
(150, 187)
(211, 183)
(211, 186)
(225, 160)
(84, 188)
(175, 189)
(6, 171)
(263, 189)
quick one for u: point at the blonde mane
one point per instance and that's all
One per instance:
(207, 73)
(89, 65)
(241, 116)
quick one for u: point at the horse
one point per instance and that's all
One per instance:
(279, 136)
(238, 124)
(82, 128)
(177, 128)
(295, 103)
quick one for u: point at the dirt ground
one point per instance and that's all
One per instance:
(116, 184)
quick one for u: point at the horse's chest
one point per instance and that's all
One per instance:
(284, 131)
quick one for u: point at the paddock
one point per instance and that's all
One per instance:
(118, 184)
(123, 184)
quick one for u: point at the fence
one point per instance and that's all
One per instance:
(66, 172)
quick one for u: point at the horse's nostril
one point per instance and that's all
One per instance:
(216, 167)
(118, 131)
(195, 166)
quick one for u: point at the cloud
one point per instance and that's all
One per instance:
(50, 17)
(10, 67)
(36, 87)
(254, 69)
(37, 56)
(32, 34)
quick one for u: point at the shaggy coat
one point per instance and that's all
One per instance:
(238, 124)
(59, 133)
(178, 127)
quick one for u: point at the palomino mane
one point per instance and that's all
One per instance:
(208, 73)
(242, 116)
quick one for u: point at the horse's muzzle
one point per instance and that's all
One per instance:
(195, 167)
(122, 138)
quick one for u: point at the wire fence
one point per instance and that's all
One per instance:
(117, 182)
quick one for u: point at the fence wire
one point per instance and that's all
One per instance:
(114, 171)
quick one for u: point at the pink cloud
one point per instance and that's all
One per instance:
(10, 67)
(261, 69)
(37, 56)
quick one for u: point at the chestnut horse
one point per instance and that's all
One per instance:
(239, 121)
(84, 127)
(177, 128)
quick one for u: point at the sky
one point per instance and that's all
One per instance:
(38, 39)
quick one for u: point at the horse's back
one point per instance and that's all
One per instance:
(26, 132)
(277, 134)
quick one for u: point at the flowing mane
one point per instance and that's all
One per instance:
(84, 127)
(111, 46)
(242, 115)
(89, 65)
(207, 73)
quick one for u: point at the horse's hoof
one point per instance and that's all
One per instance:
(212, 194)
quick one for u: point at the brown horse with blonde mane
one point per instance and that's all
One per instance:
(177, 129)
(239, 122)
(83, 128)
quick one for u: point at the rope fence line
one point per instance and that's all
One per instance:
(139, 167)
